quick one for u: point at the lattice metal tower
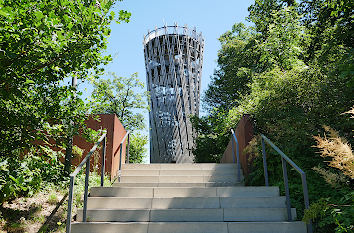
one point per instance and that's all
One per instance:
(173, 61)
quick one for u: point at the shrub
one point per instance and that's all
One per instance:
(25, 176)
(334, 211)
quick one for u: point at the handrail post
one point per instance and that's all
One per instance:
(70, 204)
(285, 159)
(306, 199)
(233, 148)
(84, 214)
(286, 185)
(128, 149)
(234, 140)
(103, 164)
(86, 161)
(265, 164)
(238, 162)
(120, 161)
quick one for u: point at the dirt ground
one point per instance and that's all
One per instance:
(44, 212)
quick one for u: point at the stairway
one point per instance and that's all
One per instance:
(185, 198)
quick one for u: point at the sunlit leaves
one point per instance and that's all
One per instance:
(123, 96)
(41, 43)
(292, 73)
(137, 150)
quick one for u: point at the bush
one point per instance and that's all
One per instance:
(335, 211)
(137, 150)
(25, 176)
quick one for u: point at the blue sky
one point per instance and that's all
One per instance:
(212, 18)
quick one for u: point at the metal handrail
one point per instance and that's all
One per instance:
(285, 159)
(127, 135)
(165, 30)
(86, 161)
(237, 155)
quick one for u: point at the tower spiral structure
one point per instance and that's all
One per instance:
(173, 61)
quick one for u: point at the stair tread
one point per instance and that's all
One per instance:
(190, 227)
(181, 209)
(188, 215)
(179, 198)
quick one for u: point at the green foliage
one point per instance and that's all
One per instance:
(245, 53)
(137, 150)
(94, 181)
(336, 209)
(329, 23)
(124, 97)
(121, 96)
(53, 198)
(293, 73)
(27, 175)
(43, 42)
(330, 216)
(236, 58)
(204, 152)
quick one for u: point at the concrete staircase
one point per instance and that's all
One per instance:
(185, 198)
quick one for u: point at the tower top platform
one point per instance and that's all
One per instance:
(173, 30)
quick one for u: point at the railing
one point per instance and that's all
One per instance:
(127, 135)
(181, 30)
(86, 161)
(284, 160)
(237, 154)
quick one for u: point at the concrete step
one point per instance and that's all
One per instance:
(121, 192)
(203, 184)
(217, 192)
(180, 166)
(248, 202)
(177, 179)
(184, 202)
(141, 172)
(184, 191)
(187, 215)
(267, 227)
(189, 227)
(188, 198)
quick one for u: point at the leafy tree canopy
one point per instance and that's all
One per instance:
(125, 97)
(121, 96)
(292, 71)
(137, 150)
(41, 43)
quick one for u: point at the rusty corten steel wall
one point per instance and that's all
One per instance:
(173, 61)
(115, 133)
(244, 133)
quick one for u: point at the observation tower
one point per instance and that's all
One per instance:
(173, 61)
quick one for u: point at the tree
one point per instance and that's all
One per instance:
(137, 150)
(124, 97)
(42, 42)
(121, 96)
(299, 78)
(237, 59)
(336, 211)
(274, 41)
(330, 24)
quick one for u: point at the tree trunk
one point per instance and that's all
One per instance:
(68, 156)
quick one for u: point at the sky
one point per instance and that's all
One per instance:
(211, 17)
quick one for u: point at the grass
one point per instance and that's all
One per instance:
(46, 210)
(53, 198)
